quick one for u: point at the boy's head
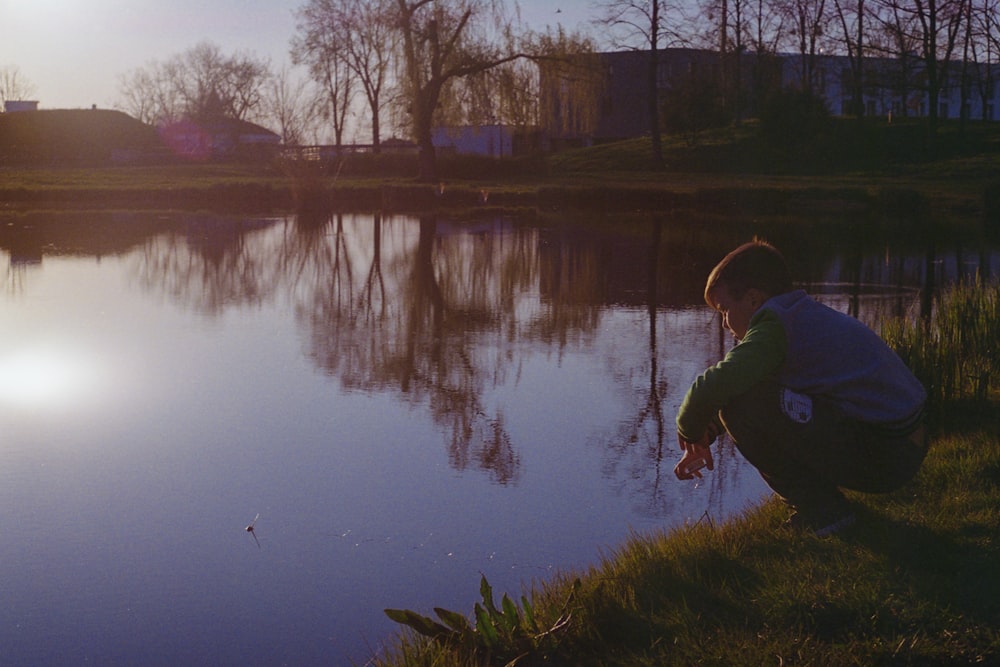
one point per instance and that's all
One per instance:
(755, 265)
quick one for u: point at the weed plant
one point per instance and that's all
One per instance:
(955, 352)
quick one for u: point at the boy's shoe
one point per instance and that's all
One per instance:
(823, 524)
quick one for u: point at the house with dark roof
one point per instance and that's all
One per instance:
(82, 137)
(91, 137)
(219, 139)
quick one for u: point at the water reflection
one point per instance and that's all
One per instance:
(440, 312)
(363, 375)
(49, 376)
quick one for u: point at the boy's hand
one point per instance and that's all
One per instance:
(694, 454)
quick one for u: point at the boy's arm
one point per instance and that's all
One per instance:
(758, 356)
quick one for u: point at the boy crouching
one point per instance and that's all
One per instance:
(812, 397)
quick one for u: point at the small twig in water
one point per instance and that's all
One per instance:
(250, 530)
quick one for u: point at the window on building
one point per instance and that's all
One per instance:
(943, 110)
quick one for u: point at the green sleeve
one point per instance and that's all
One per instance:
(758, 356)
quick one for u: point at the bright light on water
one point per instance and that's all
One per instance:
(43, 376)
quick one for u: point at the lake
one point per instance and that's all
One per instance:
(401, 404)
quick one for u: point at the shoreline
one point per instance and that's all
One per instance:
(808, 197)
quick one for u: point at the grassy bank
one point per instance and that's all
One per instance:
(915, 582)
(732, 169)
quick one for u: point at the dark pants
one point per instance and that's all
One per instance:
(808, 463)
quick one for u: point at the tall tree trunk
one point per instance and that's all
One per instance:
(376, 132)
(652, 90)
(426, 162)
(723, 54)
(859, 69)
(423, 119)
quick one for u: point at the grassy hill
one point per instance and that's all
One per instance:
(844, 146)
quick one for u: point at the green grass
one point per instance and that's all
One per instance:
(956, 352)
(137, 178)
(915, 582)
(960, 165)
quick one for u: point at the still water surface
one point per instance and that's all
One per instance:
(407, 403)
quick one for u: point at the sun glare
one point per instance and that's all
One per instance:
(43, 377)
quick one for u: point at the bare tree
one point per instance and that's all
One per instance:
(371, 50)
(766, 27)
(734, 45)
(808, 21)
(766, 30)
(736, 28)
(733, 26)
(442, 41)
(851, 17)
(292, 106)
(317, 46)
(138, 94)
(642, 24)
(358, 35)
(888, 41)
(198, 83)
(934, 26)
(214, 84)
(985, 15)
(14, 85)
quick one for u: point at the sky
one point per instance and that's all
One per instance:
(74, 52)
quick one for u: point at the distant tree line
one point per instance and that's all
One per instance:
(415, 64)
(411, 64)
(201, 82)
(426, 63)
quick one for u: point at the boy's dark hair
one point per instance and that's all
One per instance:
(756, 264)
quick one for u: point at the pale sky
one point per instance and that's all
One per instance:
(74, 51)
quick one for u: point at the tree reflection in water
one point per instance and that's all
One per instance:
(443, 313)
(641, 454)
(425, 315)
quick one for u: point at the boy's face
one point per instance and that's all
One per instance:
(736, 313)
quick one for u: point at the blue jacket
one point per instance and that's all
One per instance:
(814, 350)
(834, 355)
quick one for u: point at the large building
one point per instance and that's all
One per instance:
(612, 103)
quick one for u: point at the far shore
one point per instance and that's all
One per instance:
(850, 168)
(263, 190)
